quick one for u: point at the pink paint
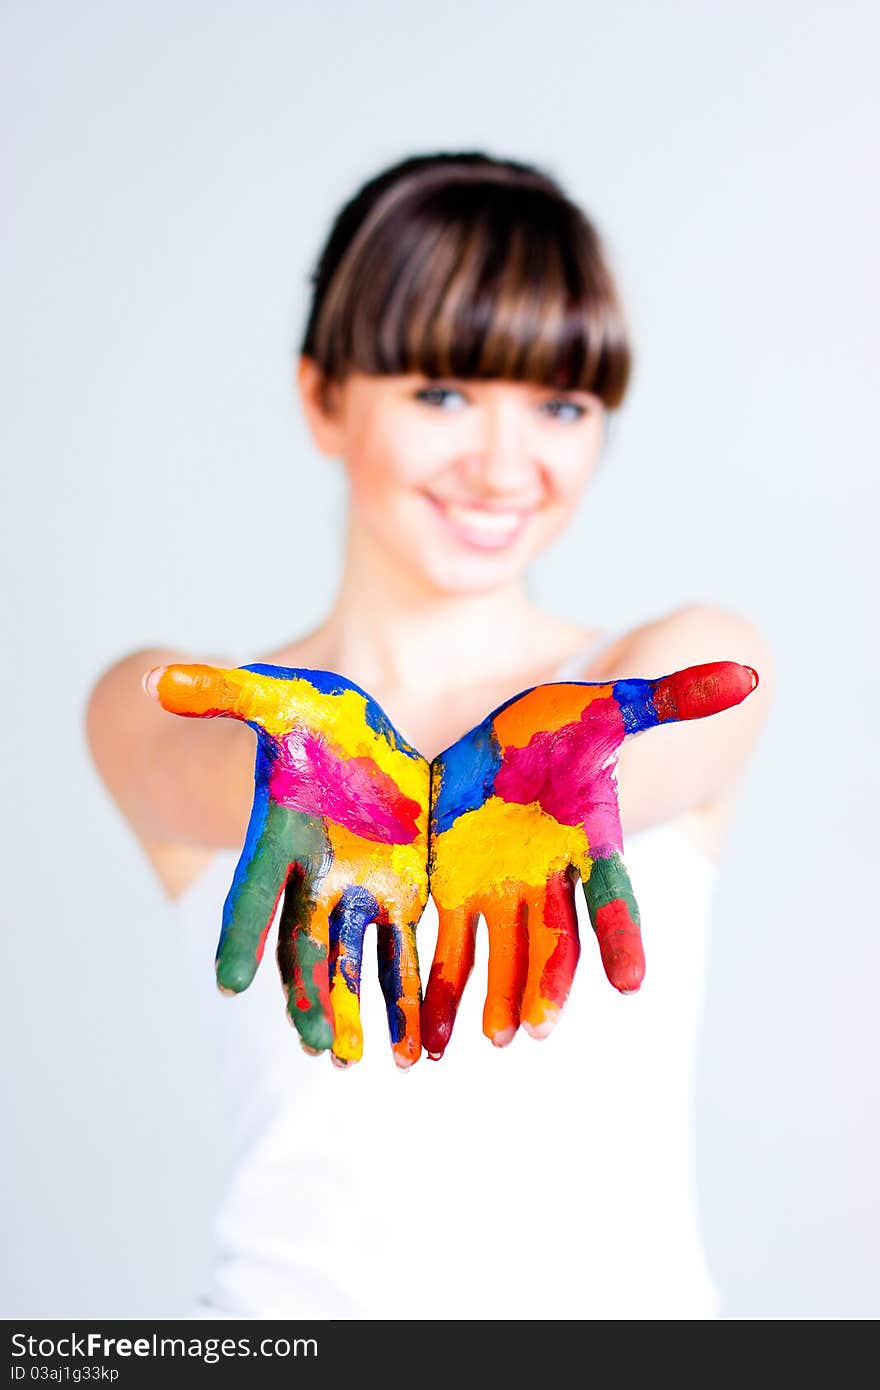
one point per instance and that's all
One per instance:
(310, 776)
(564, 771)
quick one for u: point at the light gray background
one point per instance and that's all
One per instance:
(170, 171)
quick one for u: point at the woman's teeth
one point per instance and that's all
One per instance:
(486, 528)
(485, 522)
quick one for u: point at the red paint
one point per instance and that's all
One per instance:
(261, 941)
(560, 915)
(699, 691)
(620, 944)
(439, 1008)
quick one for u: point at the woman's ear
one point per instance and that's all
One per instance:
(320, 403)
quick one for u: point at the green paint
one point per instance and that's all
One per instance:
(287, 838)
(609, 881)
(300, 953)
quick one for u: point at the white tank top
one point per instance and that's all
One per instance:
(551, 1179)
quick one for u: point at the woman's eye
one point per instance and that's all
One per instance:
(565, 410)
(443, 396)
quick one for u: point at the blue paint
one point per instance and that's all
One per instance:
(348, 921)
(328, 683)
(636, 700)
(391, 979)
(379, 722)
(466, 774)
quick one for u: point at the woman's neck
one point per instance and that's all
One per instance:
(386, 630)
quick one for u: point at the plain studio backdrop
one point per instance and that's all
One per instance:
(170, 172)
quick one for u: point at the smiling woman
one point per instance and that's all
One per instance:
(464, 347)
(457, 485)
(501, 513)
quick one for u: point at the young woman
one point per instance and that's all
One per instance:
(464, 347)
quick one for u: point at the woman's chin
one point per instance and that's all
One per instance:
(466, 570)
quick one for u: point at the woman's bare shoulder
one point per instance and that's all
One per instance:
(690, 635)
(119, 718)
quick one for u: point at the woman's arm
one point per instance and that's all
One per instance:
(695, 765)
(176, 781)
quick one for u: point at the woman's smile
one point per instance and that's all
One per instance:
(482, 524)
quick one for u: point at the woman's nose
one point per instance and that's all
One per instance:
(501, 449)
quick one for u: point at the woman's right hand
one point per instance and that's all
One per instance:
(339, 826)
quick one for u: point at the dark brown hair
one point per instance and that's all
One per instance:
(463, 265)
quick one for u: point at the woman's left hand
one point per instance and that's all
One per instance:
(522, 806)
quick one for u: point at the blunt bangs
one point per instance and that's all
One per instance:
(476, 278)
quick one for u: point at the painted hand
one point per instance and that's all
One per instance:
(339, 827)
(521, 807)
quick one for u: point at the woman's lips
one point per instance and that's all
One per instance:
(486, 528)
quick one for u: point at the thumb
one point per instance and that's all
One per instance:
(698, 691)
(200, 691)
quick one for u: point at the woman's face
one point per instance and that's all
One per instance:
(463, 481)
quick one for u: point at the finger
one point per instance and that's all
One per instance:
(205, 692)
(554, 949)
(450, 969)
(506, 923)
(303, 954)
(401, 987)
(276, 839)
(614, 914)
(693, 693)
(349, 919)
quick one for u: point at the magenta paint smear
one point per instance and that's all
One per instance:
(309, 776)
(563, 770)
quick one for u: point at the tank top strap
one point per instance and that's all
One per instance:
(573, 667)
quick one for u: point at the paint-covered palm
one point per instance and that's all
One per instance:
(339, 827)
(522, 807)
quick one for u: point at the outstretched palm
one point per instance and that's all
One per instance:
(339, 827)
(521, 807)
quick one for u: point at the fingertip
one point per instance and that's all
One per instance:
(754, 675)
(436, 1031)
(150, 681)
(540, 1019)
(540, 1030)
(406, 1052)
(504, 1037)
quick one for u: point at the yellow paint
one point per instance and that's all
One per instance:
(342, 719)
(348, 1035)
(472, 857)
(279, 705)
(394, 874)
(543, 710)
